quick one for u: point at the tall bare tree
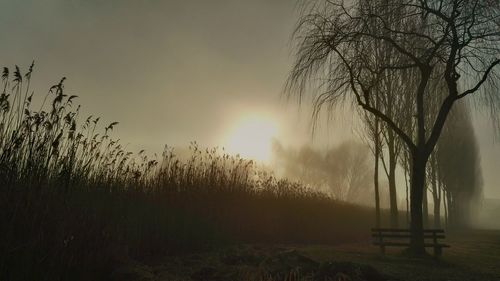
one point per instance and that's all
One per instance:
(396, 107)
(462, 36)
(373, 138)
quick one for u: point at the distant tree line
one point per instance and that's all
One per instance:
(343, 171)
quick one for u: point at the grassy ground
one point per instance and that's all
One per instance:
(474, 255)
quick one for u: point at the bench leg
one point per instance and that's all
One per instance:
(438, 251)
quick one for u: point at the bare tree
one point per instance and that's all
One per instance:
(394, 105)
(462, 36)
(372, 136)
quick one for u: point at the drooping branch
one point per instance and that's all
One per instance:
(392, 125)
(484, 78)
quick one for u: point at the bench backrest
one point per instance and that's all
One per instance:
(400, 237)
(402, 233)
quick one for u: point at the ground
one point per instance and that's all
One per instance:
(474, 255)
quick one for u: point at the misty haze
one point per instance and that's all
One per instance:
(250, 140)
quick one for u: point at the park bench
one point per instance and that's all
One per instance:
(393, 237)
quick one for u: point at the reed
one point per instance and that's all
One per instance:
(75, 203)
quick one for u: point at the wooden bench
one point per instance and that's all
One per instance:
(393, 237)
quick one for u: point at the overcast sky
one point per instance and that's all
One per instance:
(175, 71)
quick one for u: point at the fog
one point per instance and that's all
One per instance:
(176, 71)
(345, 171)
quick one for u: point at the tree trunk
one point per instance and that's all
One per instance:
(437, 212)
(375, 175)
(416, 192)
(451, 209)
(420, 155)
(445, 202)
(407, 198)
(392, 181)
(436, 193)
(393, 200)
(425, 206)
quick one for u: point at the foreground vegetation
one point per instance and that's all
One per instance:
(75, 203)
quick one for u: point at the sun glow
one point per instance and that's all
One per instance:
(252, 138)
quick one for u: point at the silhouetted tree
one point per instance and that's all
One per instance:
(378, 53)
(373, 137)
(455, 41)
(459, 165)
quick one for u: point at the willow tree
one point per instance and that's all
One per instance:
(455, 41)
(378, 54)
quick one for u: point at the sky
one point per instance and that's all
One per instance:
(176, 71)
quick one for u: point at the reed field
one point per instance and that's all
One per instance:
(75, 203)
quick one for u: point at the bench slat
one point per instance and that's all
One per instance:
(426, 236)
(402, 244)
(405, 230)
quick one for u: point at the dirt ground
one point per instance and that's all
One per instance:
(474, 255)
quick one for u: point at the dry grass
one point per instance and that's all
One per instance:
(74, 202)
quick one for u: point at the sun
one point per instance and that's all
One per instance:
(251, 137)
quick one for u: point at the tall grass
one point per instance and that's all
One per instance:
(74, 202)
